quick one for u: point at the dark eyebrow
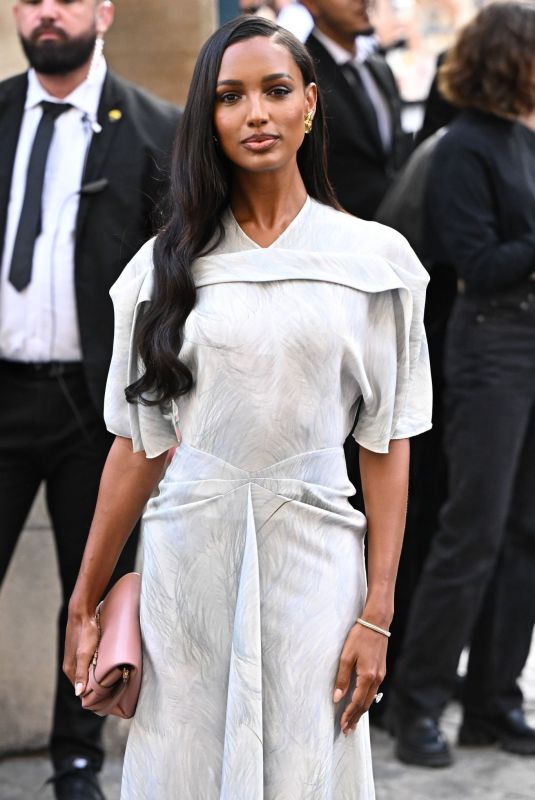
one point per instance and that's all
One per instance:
(273, 77)
(276, 75)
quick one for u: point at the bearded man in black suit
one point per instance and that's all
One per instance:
(82, 161)
(366, 144)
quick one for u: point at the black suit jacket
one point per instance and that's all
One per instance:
(130, 159)
(439, 112)
(359, 169)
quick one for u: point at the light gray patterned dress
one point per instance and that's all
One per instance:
(253, 558)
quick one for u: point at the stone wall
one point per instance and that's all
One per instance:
(11, 56)
(28, 606)
(29, 602)
(154, 44)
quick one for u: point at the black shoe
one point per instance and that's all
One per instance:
(420, 742)
(76, 780)
(510, 730)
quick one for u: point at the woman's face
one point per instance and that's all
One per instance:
(260, 106)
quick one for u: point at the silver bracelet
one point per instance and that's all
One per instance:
(373, 627)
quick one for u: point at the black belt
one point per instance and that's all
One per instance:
(32, 370)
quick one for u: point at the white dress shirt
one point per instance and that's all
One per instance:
(363, 49)
(297, 19)
(40, 323)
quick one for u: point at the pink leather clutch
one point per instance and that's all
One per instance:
(115, 672)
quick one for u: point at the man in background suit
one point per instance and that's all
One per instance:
(82, 157)
(366, 144)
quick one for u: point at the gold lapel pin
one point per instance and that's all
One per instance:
(114, 114)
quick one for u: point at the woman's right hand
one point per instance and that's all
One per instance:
(80, 644)
(131, 477)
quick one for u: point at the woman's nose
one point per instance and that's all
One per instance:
(256, 112)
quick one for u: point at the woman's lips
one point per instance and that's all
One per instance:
(260, 144)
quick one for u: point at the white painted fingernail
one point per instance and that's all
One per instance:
(337, 696)
(78, 689)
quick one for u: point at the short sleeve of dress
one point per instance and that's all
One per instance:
(151, 428)
(395, 383)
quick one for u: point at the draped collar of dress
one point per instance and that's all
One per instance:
(328, 246)
(339, 258)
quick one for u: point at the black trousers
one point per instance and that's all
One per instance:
(428, 474)
(427, 480)
(478, 583)
(50, 431)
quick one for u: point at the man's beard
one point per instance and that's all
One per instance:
(58, 56)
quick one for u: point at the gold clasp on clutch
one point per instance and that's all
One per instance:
(126, 674)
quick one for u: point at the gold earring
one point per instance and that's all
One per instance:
(308, 122)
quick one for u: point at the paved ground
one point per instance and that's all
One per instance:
(483, 773)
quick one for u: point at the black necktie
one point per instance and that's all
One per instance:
(363, 98)
(20, 272)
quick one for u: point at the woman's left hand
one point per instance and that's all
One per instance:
(365, 652)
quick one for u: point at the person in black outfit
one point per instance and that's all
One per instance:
(402, 208)
(438, 111)
(366, 143)
(478, 584)
(82, 156)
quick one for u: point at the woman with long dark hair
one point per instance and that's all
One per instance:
(249, 332)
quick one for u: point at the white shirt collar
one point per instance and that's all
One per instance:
(85, 97)
(364, 46)
(339, 54)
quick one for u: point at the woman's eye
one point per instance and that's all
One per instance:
(228, 97)
(279, 91)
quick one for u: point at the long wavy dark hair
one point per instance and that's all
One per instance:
(201, 182)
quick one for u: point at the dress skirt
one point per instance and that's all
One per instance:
(251, 581)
